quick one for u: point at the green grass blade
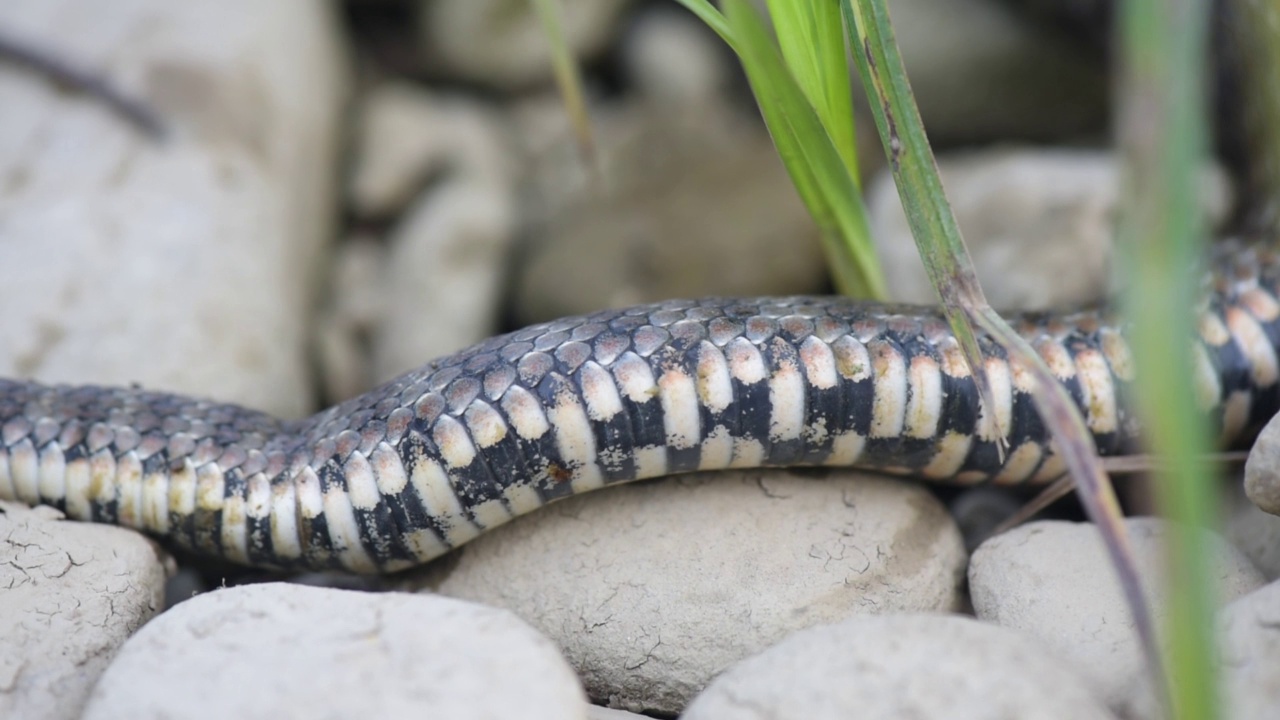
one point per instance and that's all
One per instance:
(709, 15)
(1163, 136)
(821, 177)
(567, 77)
(811, 36)
(941, 248)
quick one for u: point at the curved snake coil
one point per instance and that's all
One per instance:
(428, 461)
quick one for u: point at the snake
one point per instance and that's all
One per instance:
(420, 465)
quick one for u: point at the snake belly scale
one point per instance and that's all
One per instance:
(408, 471)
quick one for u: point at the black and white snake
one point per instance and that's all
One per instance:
(428, 461)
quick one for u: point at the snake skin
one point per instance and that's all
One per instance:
(406, 472)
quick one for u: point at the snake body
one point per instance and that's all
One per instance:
(424, 463)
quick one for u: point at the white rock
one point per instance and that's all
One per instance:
(1262, 469)
(502, 42)
(1038, 225)
(278, 650)
(70, 594)
(650, 590)
(900, 667)
(187, 265)
(1053, 580)
(442, 282)
(1250, 654)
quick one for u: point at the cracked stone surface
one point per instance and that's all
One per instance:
(922, 667)
(280, 650)
(652, 589)
(1052, 580)
(70, 594)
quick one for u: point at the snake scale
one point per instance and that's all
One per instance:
(424, 463)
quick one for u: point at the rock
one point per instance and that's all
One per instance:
(186, 265)
(70, 594)
(501, 42)
(279, 650)
(354, 306)
(596, 712)
(908, 667)
(673, 59)
(1250, 654)
(406, 136)
(982, 73)
(1262, 469)
(444, 280)
(1053, 581)
(1255, 533)
(1038, 224)
(687, 205)
(652, 589)
(448, 253)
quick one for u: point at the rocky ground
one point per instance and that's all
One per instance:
(346, 191)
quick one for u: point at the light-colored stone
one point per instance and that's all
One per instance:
(355, 304)
(448, 253)
(277, 650)
(1262, 469)
(406, 136)
(1038, 224)
(900, 667)
(652, 589)
(685, 205)
(503, 44)
(186, 265)
(1250, 654)
(1255, 533)
(70, 594)
(596, 712)
(1053, 580)
(672, 58)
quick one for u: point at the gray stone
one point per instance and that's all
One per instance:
(1053, 581)
(686, 204)
(185, 265)
(652, 589)
(1262, 469)
(278, 650)
(502, 43)
(70, 594)
(1250, 654)
(1038, 225)
(441, 285)
(1255, 533)
(355, 304)
(900, 667)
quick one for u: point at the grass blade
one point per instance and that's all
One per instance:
(709, 15)
(568, 79)
(942, 250)
(811, 37)
(1163, 137)
(820, 176)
